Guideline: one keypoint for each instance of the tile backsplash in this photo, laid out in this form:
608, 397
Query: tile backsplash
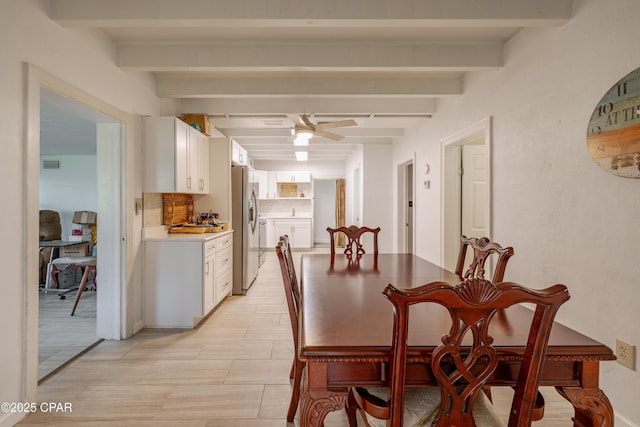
151, 209
276, 207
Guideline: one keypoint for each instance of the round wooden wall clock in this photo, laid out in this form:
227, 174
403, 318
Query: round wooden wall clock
613, 136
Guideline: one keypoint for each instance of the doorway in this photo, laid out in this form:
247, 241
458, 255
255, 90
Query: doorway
466, 192
406, 207
68, 183
324, 209
111, 129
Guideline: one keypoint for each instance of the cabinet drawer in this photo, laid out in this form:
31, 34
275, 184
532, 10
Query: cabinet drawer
223, 285
224, 242
209, 247
223, 260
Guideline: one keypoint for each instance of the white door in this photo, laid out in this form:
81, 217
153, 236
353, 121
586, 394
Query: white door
474, 190
465, 211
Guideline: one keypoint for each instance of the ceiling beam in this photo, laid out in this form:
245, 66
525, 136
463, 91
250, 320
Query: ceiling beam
308, 104
308, 13
355, 132
186, 87
309, 57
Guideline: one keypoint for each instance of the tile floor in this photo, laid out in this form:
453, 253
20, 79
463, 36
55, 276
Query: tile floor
231, 371
61, 336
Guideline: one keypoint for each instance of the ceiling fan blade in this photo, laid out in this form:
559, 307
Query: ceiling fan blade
297, 120
307, 122
329, 135
338, 124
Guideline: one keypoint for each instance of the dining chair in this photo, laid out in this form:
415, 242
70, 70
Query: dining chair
482, 249
463, 361
292, 294
353, 234
289, 258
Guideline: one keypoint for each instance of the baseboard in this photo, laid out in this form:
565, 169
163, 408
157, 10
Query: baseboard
623, 421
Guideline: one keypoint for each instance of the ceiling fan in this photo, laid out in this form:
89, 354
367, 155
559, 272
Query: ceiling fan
305, 128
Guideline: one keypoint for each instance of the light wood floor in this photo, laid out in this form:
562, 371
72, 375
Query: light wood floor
231, 371
61, 336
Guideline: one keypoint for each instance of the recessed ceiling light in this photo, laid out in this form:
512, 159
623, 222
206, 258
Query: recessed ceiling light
301, 156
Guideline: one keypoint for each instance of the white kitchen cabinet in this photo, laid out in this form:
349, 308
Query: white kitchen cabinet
209, 279
176, 157
268, 187
202, 162
238, 154
298, 230
297, 176
271, 234
263, 184
223, 264
185, 278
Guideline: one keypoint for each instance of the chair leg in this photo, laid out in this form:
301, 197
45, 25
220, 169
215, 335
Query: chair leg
295, 396
293, 368
85, 276
352, 408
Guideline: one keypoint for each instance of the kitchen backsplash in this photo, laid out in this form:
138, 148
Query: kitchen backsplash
151, 209
303, 207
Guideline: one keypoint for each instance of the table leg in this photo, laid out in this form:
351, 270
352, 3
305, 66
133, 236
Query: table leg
592, 407
316, 403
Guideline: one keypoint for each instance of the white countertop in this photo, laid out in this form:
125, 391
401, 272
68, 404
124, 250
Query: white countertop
284, 216
161, 233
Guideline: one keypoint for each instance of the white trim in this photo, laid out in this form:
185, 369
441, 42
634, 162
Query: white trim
401, 200
482, 128
35, 80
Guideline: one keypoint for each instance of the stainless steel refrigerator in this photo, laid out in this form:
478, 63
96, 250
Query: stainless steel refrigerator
244, 220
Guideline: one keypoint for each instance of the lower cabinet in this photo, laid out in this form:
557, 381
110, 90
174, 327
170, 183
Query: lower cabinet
298, 230
185, 279
224, 272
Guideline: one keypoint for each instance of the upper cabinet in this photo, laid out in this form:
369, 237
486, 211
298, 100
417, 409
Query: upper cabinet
267, 185
297, 177
176, 157
238, 154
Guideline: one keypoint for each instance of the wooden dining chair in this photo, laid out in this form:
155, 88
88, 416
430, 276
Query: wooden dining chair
482, 249
353, 234
465, 359
292, 293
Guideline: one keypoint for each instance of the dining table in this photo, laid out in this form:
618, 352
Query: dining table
346, 325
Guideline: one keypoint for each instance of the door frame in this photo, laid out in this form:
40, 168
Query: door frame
452, 187
113, 314
402, 208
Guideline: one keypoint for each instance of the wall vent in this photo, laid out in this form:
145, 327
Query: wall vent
51, 164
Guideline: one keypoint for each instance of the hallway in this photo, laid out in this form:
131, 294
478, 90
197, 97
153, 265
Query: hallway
231, 371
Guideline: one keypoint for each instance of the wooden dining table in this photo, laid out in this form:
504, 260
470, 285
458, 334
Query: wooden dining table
346, 325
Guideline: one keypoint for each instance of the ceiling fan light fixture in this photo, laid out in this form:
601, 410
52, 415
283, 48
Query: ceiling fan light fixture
304, 134
301, 156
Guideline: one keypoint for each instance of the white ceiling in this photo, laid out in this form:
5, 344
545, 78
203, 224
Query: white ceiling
251, 63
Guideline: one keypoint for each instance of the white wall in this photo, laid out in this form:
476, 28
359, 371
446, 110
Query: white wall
71, 188
568, 220
377, 193
86, 60
319, 169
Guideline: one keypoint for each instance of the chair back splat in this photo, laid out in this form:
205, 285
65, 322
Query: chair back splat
353, 245
466, 358
482, 249
292, 293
